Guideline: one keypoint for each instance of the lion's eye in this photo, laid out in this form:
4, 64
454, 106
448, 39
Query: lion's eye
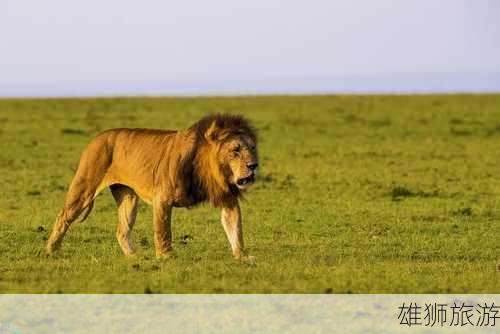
237, 149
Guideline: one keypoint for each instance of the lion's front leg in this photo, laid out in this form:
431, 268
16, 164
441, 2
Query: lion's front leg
162, 212
231, 221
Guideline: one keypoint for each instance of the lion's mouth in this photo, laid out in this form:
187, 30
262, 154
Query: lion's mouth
246, 181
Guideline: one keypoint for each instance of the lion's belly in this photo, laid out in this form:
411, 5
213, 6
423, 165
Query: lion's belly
141, 185
143, 194
185, 202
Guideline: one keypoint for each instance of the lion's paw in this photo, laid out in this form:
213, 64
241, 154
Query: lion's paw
131, 255
166, 255
248, 259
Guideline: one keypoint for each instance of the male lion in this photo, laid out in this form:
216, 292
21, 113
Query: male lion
213, 160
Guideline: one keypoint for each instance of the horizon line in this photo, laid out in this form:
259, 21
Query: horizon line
393, 84
243, 95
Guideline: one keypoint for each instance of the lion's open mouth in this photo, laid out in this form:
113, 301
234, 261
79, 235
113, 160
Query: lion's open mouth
246, 181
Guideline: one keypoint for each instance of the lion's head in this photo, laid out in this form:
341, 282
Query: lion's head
238, 158
228, 159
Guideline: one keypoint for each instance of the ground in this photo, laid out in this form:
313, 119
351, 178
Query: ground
356, 194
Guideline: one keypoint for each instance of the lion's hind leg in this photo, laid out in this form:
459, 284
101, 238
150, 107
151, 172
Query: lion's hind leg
88, 181
127, 201
79, 203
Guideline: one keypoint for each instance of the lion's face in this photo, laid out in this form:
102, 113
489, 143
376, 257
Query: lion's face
239, 155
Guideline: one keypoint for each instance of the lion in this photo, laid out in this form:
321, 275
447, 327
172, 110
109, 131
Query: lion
214, 160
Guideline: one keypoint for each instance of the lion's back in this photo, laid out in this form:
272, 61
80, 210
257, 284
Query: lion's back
124, 146
134, 144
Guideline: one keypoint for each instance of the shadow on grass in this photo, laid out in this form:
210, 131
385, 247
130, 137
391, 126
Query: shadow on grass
398, 193
77, 132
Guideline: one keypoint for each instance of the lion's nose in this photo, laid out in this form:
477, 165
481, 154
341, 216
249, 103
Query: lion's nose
253, 167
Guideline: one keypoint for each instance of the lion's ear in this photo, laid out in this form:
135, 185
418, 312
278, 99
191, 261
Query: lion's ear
211, 133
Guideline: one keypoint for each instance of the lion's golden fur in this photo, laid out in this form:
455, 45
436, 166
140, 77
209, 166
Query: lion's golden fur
167, 168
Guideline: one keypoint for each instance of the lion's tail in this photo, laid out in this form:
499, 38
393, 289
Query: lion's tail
86, 212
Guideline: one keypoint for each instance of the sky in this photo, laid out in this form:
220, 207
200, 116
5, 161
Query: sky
123, 47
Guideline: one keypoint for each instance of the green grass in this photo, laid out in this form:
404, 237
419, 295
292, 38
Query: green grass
357, 194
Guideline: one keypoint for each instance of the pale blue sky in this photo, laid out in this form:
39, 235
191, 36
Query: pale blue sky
119, 47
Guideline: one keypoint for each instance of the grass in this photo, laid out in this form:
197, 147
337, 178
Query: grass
357, 194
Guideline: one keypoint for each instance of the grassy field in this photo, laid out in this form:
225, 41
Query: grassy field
356, 194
